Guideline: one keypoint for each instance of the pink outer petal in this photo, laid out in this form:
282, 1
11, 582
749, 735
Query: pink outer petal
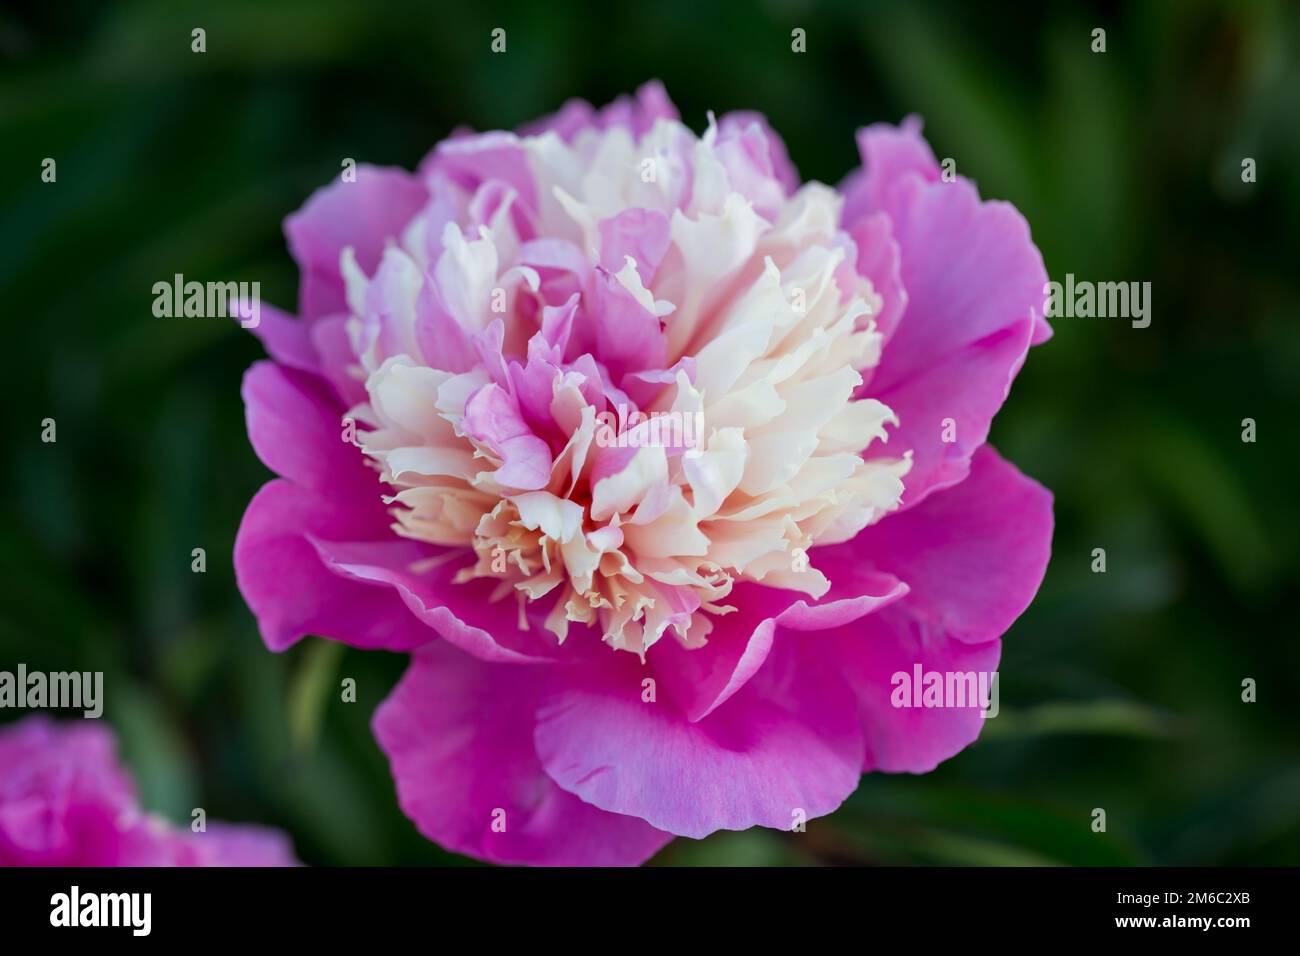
970, 269
296, 428
974, 557
788, 741
421, 576
458, 734
897, 165
907, 739
286, 339
973, 280
329, 493
292, 589
701, 680
362, 214
293, 594
891, 156
967, 387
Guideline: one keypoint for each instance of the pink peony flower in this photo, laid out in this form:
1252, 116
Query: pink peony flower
65, 801
617, 638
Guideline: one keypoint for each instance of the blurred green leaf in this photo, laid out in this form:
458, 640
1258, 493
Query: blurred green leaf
1194, 476
154, 748
311, 689
1107, 717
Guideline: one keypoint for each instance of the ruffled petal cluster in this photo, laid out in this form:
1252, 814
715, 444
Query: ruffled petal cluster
658, 461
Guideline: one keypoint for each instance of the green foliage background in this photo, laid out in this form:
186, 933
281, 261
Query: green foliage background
1119, 690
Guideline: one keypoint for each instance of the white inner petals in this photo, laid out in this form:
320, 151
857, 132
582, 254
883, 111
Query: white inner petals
788, 459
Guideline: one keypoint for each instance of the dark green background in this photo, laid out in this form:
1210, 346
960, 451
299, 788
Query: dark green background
1119, 690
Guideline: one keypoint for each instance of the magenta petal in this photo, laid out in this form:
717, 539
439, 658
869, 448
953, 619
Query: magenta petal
362, 214
973, 555
945, 411
532, 384
286, 339
297, 430
855, 590
974, 286
422, 576
64, 801
907, 739
788, 742
970, 270
458, 735
293, 594
701, 680
891, 156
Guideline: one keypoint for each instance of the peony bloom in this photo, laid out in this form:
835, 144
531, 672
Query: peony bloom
65, 801
618, 637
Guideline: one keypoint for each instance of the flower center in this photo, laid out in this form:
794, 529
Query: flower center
620, 411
